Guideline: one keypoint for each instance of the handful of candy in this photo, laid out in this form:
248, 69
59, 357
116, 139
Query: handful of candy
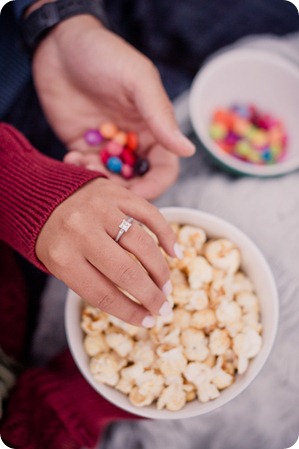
248, 134
118, 150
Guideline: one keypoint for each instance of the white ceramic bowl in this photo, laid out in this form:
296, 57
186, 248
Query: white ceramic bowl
253, 263
247, 76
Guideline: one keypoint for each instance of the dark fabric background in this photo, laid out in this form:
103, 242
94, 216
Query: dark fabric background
179, 35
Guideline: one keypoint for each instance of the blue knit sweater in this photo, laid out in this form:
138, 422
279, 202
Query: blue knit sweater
14, 61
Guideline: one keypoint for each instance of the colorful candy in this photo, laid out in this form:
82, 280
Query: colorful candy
248, 134
93, 137
118, 150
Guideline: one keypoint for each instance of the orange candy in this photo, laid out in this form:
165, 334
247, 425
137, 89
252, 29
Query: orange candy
108, 130
121, 138
224, 117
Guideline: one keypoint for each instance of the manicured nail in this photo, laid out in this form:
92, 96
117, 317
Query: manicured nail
148, 321
167, 288
166, 309
178, 251
185, 142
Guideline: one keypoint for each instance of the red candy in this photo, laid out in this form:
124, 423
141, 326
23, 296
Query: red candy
128, 157
132, 140
104, 155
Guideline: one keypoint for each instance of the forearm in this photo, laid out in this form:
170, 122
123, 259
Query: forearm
32, 186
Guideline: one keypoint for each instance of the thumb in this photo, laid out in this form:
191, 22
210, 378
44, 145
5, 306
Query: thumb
156, 109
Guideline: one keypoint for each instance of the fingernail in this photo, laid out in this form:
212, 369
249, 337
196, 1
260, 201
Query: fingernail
148, 321
178, 251
166, 309
185, 142
167, 288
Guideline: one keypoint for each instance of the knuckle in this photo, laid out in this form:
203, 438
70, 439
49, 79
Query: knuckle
58, 256
127, 275
105, 301
73, 221
144, 241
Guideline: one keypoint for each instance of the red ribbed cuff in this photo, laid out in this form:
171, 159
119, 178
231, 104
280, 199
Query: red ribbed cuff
31, 187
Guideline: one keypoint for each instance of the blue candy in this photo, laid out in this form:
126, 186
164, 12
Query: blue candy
114, 164
242, 110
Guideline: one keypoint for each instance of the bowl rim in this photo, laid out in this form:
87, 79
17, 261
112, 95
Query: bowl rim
233, 164
151, 411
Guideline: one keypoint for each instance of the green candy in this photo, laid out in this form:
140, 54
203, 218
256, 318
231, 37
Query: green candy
275, 151
218, 131
243, 148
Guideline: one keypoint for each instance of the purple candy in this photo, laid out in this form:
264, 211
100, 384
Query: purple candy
232, 138
93, 137
141, 167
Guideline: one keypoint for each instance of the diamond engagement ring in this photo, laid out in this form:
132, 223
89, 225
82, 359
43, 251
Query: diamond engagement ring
124, 227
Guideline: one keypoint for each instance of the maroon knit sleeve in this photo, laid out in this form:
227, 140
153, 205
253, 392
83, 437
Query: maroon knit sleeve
31, 186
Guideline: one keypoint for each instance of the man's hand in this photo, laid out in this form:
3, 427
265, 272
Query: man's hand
86, 75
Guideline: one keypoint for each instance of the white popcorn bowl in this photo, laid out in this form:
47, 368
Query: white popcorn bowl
253, 264
247, 76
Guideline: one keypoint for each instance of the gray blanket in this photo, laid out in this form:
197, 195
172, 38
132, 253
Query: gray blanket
266, 415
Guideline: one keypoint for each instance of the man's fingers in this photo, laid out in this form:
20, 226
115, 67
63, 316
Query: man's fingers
157, 111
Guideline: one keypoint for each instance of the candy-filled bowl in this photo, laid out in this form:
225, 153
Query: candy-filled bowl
242, 351
241, 79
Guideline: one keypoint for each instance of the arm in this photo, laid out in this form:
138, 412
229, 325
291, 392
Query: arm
62, 219
31, 186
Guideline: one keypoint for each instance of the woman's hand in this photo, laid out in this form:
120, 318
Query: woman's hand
86, 75
77, 245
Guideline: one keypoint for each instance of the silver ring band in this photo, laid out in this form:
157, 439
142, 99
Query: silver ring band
124, 227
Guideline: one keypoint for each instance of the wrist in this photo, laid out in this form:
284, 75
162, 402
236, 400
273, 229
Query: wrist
43, 16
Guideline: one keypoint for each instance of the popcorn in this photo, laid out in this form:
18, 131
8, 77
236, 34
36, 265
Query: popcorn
222, 379
241, 283
200, 272
198, 373
142, 353
248, 343
228, 312
122, 344
105, 368
192, 236
150, 383
171, 361
219, 341
223, 254
248, 301
195, 352
220, 290
173, 398
204, 319
94, 344
195, 344
139, 399
207, 391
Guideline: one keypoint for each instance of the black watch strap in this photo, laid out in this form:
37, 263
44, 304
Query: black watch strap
36, 26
